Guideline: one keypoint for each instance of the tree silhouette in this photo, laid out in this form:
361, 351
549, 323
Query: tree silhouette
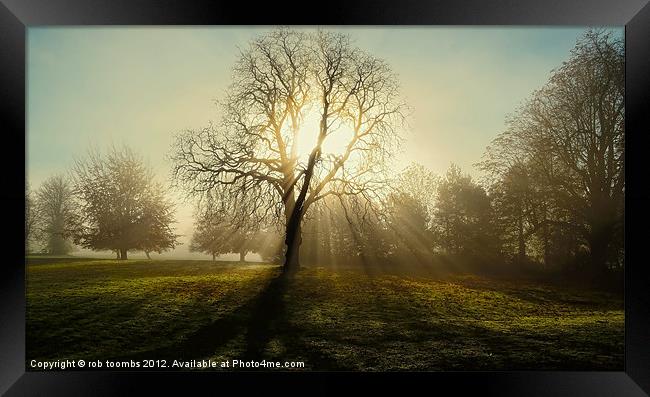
280, 81
462, 218
570, 136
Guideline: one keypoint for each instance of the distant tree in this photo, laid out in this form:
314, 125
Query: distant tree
122, 206
57, 218
409, 213
218, 232
350, 233
207, 236
281, 79
220, 238
408, 229
31, 217
345, 231
570, 137
513, 199
155, 224
269, 244
462, 220
419, 183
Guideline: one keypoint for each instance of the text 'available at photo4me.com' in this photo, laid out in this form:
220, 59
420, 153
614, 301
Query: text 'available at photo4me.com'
62, 365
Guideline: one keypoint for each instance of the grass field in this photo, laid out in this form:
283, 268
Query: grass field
343, 320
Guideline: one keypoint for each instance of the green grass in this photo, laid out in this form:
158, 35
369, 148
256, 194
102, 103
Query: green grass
331, 320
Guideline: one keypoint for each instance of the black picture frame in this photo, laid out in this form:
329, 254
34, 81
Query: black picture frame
18, 15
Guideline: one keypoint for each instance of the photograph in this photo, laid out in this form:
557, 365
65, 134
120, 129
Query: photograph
325, 198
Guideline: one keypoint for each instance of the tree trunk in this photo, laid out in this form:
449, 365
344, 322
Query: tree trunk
123, 254
294, 211
546, 236
214, 257
292, 226
521, 239
547, 253
242, 256
292, 240
117, 254
147, 253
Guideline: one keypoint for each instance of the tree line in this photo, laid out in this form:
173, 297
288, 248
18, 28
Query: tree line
551, 195
552, 192
108, 201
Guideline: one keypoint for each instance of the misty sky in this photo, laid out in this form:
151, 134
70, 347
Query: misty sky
139, 86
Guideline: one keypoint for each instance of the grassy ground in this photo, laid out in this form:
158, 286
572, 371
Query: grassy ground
343, 320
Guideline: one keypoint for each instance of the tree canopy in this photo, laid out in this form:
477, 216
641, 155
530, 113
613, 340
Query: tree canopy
51, 215
218, 231
560, 164
122, 206
307, 116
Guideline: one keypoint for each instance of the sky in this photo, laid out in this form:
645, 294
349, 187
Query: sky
97, 86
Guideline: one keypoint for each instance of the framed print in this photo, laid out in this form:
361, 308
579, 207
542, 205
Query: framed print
447, 193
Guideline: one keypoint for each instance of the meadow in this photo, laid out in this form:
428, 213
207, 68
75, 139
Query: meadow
340, 319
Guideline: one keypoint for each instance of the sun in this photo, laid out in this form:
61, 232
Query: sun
335, 143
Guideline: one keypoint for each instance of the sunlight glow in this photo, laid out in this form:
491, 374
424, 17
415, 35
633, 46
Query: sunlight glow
335, 143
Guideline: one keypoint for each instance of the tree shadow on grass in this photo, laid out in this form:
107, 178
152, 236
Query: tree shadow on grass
267, 317
538, 293
256, 320
472, 344
265, 326
261, 320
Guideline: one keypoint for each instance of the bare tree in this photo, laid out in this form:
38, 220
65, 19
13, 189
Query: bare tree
280, 81
122, 206
57, 215
31, 218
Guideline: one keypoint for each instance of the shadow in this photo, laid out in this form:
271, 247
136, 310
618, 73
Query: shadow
268, 317
260, 320
317, 358
257, 320
545, 293
35, 260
